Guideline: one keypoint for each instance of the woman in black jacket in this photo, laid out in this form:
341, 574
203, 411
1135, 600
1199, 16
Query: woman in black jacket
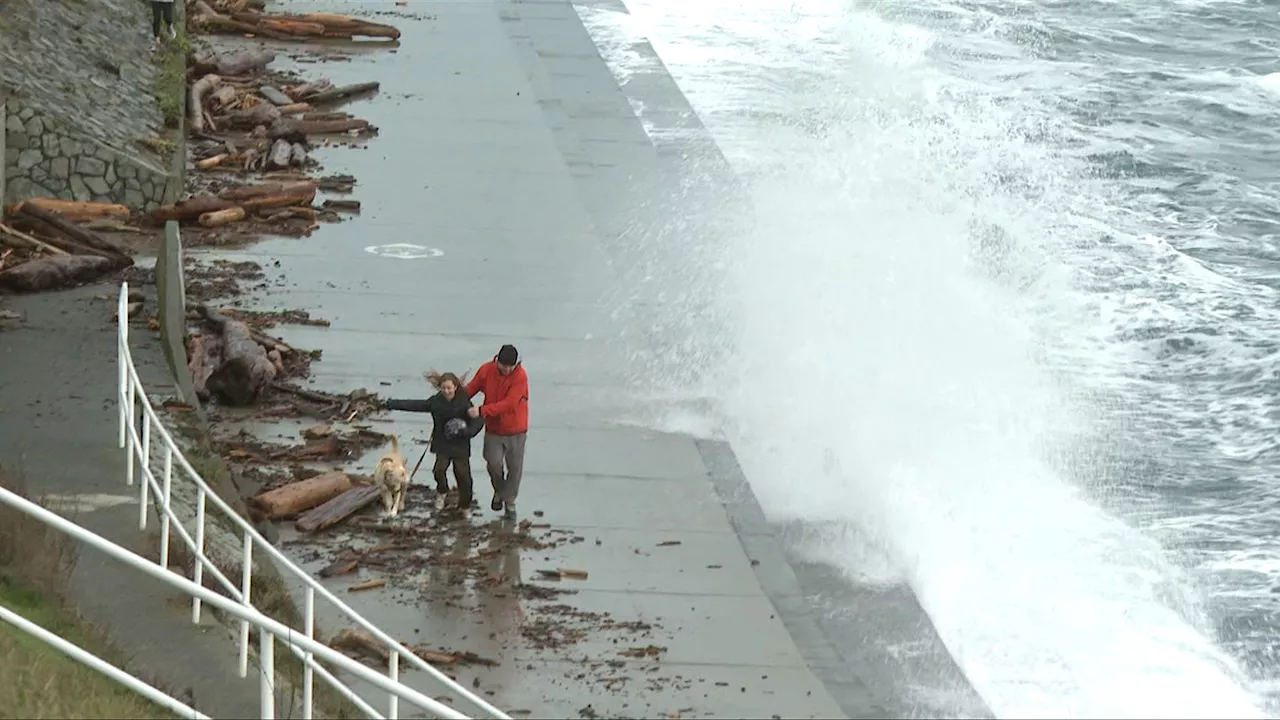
451, 436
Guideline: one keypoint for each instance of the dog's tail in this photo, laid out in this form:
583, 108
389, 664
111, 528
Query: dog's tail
395, 444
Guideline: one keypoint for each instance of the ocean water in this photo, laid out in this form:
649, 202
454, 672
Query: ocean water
1010, 299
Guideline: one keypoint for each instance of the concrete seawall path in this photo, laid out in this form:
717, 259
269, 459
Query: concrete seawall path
506, 164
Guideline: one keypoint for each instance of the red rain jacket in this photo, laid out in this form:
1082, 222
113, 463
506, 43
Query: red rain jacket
506, 398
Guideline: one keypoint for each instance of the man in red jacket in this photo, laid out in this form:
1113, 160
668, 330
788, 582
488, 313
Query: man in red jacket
506, 413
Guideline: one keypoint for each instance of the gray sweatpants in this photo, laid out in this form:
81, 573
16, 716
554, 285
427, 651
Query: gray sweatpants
508, 449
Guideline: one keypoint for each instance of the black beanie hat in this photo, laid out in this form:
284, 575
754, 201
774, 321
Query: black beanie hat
508, 355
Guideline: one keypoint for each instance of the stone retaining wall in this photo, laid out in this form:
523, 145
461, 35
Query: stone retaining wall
43, 158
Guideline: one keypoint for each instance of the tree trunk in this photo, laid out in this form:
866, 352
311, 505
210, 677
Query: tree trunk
192, 208
245, 369
218, 218
338, 509
54, 273
342, 93
199, 89
79, 235
78, 211
289, 500
244, 61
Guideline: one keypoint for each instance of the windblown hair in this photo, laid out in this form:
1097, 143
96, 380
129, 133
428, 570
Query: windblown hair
437, 379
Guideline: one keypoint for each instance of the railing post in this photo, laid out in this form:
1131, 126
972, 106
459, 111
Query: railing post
246, 587
121, 372
198, 573
393, 672
308, 674
267, 682
146, 470
130, 421
164, 507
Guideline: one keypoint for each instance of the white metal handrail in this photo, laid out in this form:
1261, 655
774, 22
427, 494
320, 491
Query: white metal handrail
93, 661
268, 629
132, 394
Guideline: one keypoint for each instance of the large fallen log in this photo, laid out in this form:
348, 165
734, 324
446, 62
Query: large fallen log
315, 127
244, 61
81, 236
337, 509
190, 209
80, 211
349, 27
249, 192
245, 369
195, 104
54, 273
271, 195
315, 25
289, 500
343, 92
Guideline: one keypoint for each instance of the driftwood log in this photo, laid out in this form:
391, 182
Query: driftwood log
79, 211
78, 235
23, 241
199, 89
338, 509
316, 127
190, 209
244, 62
218, 218
54, 273
289, 500
335, 94
299, 92
245, 369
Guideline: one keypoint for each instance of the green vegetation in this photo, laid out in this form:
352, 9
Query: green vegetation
41, 682
171, 77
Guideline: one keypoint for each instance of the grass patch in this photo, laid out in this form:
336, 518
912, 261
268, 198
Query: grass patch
41, 682
171, 77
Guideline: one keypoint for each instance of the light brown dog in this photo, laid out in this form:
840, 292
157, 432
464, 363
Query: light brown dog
391, 477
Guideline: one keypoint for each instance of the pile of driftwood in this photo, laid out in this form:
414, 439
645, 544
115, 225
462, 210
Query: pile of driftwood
269, 201
245, 17
265, 127
231, 361
46, 247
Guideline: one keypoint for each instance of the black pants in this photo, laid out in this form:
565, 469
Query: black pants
461, 473
161, 12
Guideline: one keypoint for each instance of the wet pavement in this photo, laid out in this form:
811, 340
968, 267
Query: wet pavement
689, 607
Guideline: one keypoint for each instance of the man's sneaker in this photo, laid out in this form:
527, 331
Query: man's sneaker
510, 512
173, 33
496, 505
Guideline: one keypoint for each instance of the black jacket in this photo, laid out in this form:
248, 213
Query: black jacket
442, 411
